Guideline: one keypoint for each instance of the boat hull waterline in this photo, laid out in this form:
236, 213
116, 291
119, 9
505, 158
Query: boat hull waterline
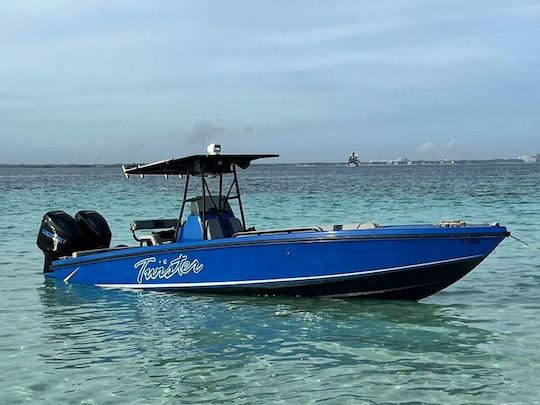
388, 262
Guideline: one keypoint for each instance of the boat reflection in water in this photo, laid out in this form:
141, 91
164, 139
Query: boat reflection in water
151, 326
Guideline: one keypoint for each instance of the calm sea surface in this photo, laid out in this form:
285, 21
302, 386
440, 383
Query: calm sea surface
476, 342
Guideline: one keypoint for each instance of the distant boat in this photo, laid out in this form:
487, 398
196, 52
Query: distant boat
353, 160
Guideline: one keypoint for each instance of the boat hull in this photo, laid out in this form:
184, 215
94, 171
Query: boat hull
410, 283
392, 262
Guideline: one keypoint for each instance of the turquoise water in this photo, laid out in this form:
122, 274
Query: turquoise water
476, 342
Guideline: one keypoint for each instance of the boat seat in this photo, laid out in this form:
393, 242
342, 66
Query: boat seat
219, 228
213, 229
163, 236
156, 239
235, 225
159, 238
210, 208
351, 227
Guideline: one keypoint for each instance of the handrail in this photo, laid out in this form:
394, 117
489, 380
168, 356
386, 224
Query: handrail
154, 224
277, 231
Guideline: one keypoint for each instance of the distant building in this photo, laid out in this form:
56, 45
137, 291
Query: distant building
529, 159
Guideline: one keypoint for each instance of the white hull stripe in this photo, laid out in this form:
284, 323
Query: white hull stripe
278, 280
71, 274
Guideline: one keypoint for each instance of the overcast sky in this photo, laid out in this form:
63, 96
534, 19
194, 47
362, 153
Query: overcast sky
122, 81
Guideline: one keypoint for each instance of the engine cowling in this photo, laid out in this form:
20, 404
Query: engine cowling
59, 235
95, 230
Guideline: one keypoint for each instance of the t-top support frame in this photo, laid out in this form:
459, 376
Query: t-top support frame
221, 202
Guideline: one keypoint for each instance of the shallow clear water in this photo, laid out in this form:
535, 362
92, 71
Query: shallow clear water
476, 342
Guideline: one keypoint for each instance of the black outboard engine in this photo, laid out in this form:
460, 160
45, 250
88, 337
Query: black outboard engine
58, 236
95, 230
61, 234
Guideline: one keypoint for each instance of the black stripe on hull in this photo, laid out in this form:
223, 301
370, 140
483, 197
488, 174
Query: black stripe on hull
407, 284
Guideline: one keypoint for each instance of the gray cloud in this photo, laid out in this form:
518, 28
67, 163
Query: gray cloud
309, 83
215, 131
205, 132
430, 146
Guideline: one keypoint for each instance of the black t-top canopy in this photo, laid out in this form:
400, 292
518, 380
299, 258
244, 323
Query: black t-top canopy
196, 164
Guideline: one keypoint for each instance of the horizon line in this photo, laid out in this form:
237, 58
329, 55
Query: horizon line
374, 162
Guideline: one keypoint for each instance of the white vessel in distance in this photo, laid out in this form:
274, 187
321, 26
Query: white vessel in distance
353, 161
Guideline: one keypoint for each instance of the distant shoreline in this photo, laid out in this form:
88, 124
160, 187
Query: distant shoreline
412, 163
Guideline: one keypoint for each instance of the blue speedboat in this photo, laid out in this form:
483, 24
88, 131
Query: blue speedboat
208, 248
